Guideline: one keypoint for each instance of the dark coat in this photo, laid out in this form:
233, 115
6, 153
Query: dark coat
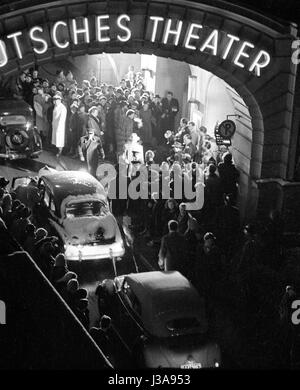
92, 151
213, 190
94, 123
173, 251
169, 110
229, 176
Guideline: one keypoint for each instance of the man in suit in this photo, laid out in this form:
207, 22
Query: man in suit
172, 253
90, 149
170, 108
189, 147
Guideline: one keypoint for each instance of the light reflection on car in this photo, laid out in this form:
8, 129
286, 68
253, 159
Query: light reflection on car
74, 206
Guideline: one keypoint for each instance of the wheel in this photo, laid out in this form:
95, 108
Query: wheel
17, 139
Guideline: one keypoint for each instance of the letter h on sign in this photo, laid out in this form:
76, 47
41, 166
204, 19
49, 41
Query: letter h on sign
2, 313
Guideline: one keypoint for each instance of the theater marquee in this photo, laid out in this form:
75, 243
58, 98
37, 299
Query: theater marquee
97, 30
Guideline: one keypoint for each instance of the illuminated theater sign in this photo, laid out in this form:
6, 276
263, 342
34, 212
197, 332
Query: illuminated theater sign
97, 30
250, 51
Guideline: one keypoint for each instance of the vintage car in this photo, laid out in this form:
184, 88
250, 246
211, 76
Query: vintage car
19, 137
74, 206
161, 319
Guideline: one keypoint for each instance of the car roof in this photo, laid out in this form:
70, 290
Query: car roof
165, 296
65, 183
13, 105
156, 281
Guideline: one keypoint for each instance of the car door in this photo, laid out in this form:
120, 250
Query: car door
129, 321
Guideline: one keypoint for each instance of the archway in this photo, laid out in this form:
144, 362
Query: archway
250, 52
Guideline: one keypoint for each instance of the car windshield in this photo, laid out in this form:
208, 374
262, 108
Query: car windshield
183, 324
85, 209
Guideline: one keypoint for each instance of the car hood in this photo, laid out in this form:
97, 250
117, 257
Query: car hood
205, 355
14, 107
87, 230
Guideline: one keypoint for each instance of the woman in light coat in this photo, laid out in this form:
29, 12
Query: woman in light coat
59, 123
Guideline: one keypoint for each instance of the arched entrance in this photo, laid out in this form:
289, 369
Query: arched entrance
250, 52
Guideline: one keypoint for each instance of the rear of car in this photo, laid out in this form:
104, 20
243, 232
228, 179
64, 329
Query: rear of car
18, 136
174, 317
80, 215
91, 232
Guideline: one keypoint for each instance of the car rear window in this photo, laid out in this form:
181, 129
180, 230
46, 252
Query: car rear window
85, 209
12, 120
183, 324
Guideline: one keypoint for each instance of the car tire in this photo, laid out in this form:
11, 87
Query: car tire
17, 139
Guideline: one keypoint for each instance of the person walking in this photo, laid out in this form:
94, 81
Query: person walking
90, 149
148, 120
172, 250
59, 123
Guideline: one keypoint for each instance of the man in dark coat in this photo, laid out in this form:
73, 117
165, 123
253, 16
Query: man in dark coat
157, 113
90, 149
213, 189
229, 176
170, 108
74, 130
94, 122
172, 250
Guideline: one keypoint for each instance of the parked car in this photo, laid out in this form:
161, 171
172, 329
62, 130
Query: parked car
73, 205
19, 138
161, 319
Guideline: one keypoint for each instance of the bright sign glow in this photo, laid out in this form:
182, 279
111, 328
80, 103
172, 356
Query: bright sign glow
101, 28
38, 39
190, 35
14, 37
54, 36
124, 28
175, 32
241, 53
3, 55
211, 42
85, 30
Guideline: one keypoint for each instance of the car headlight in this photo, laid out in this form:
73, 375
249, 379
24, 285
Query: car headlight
28, 125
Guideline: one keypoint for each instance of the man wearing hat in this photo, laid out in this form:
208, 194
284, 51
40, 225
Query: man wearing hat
74, 129
102, 113
90, 149
119, 94
93, 121
170, 108
157, 113
39, 108
123, 126
59, 123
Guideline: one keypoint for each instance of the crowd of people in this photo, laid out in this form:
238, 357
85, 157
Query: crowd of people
111, 112
94, 120
206, 242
